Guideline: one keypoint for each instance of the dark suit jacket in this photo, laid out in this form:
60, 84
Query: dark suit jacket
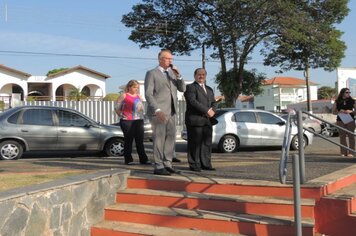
198, 104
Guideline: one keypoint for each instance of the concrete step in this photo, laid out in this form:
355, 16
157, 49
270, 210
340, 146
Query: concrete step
338, 208
216, 202
114, 228
347, 193
223, 222
219, 186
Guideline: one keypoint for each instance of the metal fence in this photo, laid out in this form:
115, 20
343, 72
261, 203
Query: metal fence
102, 111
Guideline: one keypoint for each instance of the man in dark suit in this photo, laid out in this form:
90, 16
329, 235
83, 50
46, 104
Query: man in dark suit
201, 107
161, 85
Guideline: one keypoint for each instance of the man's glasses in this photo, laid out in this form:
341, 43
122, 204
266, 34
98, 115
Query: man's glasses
348, 92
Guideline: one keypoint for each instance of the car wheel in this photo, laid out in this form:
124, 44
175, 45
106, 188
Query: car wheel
228, 144
10, 150
295, 142
114, 147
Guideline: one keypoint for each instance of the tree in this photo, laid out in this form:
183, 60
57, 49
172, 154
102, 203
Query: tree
76, 94
55, 71
230, 28
111, 97
326, 92
308, 38
251, 84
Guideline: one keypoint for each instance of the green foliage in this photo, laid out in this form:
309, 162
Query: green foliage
229, 28
2, 105
308, 38
111, 97
31, 98
76, 94
297, 34
326, 92
251, 85
55, 71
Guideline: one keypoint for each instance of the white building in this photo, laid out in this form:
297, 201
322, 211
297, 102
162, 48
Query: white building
346, 78
54, 87
279, 92
245, 102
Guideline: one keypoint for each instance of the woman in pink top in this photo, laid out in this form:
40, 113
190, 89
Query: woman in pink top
130, 109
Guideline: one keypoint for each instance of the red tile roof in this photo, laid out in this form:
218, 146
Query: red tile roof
286, 81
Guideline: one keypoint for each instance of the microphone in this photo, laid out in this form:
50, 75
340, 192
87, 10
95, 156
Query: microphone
174, 69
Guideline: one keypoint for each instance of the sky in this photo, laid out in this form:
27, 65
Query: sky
35, 34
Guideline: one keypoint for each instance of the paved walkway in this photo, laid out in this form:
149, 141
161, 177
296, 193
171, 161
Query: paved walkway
249, 164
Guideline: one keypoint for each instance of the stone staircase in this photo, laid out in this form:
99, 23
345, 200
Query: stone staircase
197, 205
174, 205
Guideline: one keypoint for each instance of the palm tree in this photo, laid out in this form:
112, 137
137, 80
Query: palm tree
76, 95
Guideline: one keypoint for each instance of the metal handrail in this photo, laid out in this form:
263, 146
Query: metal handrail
285, 151
296, 172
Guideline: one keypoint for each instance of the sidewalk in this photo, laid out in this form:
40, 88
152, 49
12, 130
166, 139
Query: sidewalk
252, 165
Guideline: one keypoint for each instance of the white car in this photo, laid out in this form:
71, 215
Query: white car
247, 128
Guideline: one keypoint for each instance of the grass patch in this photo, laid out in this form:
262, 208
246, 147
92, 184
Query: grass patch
15, 180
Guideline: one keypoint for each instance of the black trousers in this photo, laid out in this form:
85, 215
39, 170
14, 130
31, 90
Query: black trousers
199, 146
133, 129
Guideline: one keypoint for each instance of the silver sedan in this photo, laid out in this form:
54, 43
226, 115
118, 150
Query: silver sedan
248, 128
32, 128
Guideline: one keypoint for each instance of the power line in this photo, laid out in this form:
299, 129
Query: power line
88, 56
29, 53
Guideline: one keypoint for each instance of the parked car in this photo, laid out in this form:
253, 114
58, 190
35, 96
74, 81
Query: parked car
31, 128
147, 127
247, 128
313, 124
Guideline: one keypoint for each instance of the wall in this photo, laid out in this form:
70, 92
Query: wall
265, 99
64, 207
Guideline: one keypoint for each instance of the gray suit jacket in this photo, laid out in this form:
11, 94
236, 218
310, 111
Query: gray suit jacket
159, 91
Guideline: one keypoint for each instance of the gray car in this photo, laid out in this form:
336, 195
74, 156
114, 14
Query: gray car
312, 124
33, 128
248, 128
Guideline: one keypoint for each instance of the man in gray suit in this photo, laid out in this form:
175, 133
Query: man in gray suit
161, 85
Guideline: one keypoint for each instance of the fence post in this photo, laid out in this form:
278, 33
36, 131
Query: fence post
296, 193
301, 146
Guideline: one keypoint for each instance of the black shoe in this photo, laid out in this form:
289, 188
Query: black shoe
208, 168
195, 169
176, 160
161, 171
172, 171
146, 163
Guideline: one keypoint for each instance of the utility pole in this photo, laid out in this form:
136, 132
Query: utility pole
5, 12
203, 56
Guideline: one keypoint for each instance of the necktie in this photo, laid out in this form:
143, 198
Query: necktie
203, 86
173, 110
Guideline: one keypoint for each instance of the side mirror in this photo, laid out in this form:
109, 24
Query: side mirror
88, 125
280, 123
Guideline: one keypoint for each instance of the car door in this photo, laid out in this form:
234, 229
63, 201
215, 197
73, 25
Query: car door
36, 127
272, 128
247, 128
76, 132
